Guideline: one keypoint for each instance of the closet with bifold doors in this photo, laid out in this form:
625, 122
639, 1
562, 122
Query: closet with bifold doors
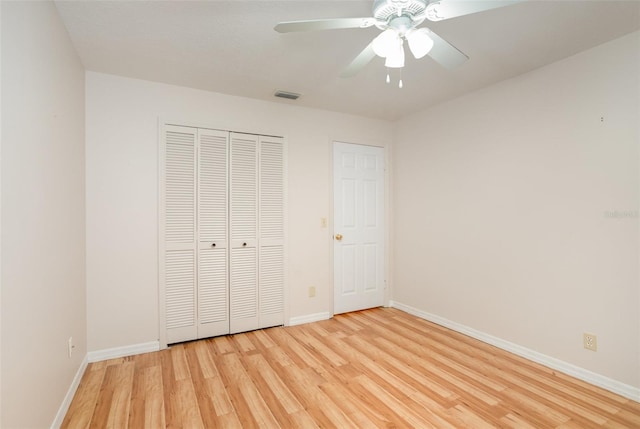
222, 232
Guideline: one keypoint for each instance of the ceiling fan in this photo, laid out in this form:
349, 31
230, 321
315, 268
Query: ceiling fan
398, 20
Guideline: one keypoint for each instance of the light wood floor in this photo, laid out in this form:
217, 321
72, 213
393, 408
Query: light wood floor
370, 369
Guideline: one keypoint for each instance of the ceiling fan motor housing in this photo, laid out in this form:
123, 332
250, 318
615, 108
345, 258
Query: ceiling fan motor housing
388, 14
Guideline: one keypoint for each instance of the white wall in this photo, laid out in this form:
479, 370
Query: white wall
122, 194
516, 210
43, 241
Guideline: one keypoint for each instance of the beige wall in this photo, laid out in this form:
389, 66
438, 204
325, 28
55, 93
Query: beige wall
43, 276
516, 210
0, 214
122, 194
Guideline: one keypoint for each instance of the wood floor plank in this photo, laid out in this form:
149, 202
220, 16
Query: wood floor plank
187, 404
374, 407
264, 339
171, 405
379, 368
348, 322
154, 415
303, 420
138, 395
223, 345
277, 397
256, 405
306, 385
399, 407
221, 402
101, 411
516, 422
263, 370
204, 397
322, 350
82, 410
118, 416
353, 407
243, 342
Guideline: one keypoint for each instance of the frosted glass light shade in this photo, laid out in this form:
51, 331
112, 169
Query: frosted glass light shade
395, 57
419, 42
385, 42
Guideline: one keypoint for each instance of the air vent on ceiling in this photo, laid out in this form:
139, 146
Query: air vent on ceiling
287, 95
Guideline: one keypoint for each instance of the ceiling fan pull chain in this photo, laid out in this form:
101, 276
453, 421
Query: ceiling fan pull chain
388, 77
400, 81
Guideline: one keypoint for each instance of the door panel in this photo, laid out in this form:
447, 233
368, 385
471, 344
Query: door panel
243, 290
213, 297
244, 185
212, 187
180, 267
178, 243
213, 211
359, 220
243, 285
179, 185
271, 253
271, 299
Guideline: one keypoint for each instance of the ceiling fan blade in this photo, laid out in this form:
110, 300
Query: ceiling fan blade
359, 62
444, 53
445, 9
324, 24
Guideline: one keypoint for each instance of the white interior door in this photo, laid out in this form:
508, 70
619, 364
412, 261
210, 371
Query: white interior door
243, 285
213, 296
178, 239
358, 227
271, 226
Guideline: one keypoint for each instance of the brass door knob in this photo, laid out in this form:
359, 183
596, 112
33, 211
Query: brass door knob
339, 237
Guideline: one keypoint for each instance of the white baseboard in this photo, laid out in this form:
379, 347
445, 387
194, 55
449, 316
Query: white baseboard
308, 318
64, 407
116, 352
607, 383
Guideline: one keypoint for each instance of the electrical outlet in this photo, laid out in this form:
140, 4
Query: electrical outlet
70, 346
312, 291
590, 341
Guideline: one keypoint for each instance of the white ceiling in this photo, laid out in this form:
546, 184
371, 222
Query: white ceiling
230, 47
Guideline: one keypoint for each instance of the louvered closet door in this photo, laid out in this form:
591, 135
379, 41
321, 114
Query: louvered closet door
271, 228
178, 240
222, 227
212, 295
243, 282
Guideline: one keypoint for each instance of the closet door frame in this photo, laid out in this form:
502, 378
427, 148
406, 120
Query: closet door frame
163, 124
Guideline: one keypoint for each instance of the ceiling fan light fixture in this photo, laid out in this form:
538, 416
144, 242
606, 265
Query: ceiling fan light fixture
395, 57
419, 42
385, 42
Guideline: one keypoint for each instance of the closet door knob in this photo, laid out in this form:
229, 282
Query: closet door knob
339, 237
244, 244
213, 245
